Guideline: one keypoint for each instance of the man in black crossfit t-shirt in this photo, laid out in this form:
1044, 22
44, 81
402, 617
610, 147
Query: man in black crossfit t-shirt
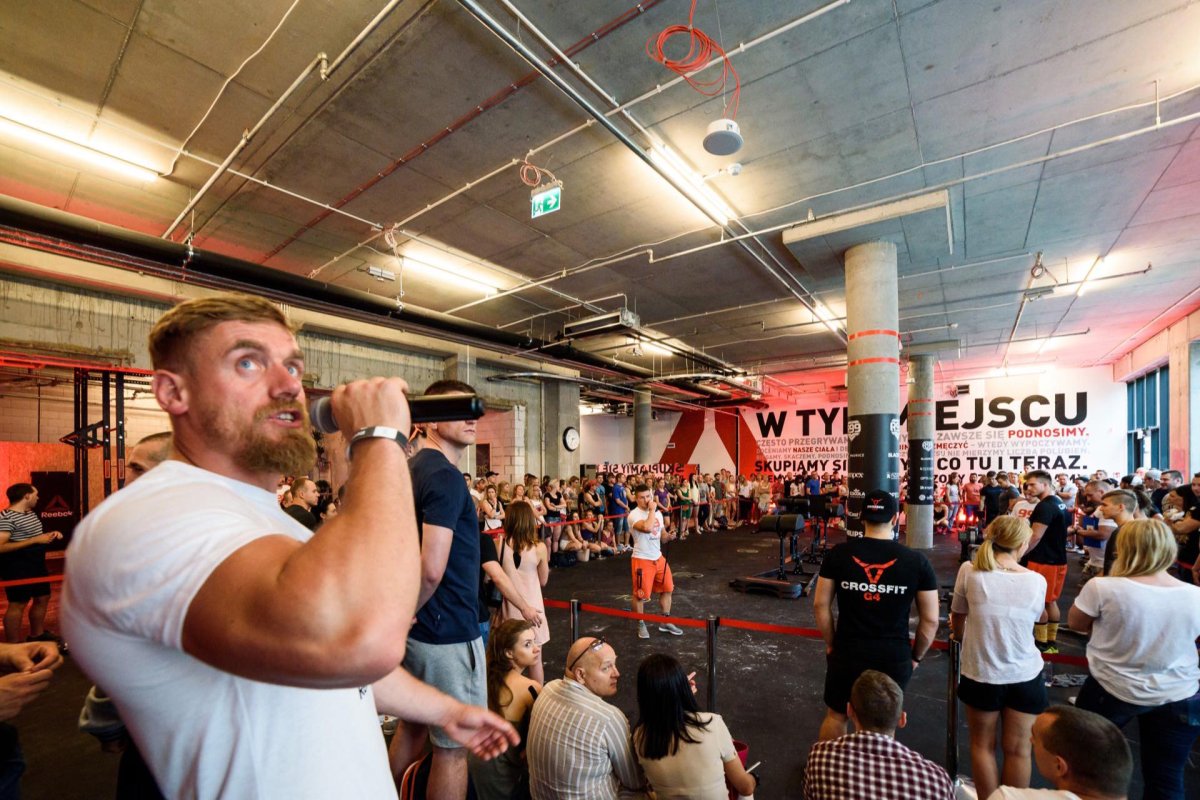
1047, 553
875, 581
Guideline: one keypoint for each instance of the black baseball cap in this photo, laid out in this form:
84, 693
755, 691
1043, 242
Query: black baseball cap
879, 506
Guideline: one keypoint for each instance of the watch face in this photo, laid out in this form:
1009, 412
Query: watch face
571, 439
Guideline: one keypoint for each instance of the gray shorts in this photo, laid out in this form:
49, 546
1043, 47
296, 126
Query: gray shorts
456, 669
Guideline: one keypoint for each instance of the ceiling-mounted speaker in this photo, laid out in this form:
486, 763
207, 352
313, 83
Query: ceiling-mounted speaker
724, 137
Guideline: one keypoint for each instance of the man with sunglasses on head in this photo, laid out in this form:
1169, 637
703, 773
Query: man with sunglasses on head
578, 744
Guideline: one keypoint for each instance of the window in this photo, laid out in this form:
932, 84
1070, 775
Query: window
1148, 415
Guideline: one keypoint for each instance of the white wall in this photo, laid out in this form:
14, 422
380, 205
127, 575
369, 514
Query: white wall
605, 437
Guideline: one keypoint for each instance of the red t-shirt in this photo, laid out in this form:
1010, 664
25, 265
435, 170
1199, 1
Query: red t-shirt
971, 493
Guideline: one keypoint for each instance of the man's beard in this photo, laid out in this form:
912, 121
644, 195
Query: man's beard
253, 450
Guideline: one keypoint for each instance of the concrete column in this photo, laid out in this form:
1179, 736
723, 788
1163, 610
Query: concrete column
642, 416
872, 374
921, 450
560, 410
461, 368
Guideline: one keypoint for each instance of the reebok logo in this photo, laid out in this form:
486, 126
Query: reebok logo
57, 508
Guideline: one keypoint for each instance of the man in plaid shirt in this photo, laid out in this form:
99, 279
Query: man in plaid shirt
870, 762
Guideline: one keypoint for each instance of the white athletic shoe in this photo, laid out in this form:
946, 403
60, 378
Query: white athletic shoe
671, 628
642, 632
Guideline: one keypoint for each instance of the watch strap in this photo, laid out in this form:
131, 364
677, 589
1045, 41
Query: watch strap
377, 432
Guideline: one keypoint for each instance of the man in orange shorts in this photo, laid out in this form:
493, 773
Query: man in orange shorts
1047, 552
649, 565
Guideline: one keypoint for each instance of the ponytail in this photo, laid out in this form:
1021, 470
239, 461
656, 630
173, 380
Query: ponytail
1006, 534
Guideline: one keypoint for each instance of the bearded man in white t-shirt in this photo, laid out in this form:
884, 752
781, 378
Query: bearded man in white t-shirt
248, 657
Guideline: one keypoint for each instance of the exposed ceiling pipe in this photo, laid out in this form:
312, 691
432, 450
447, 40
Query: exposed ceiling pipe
448, 130
319, 61
186, 263
785, 279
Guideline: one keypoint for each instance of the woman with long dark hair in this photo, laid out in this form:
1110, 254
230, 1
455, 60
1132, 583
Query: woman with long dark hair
524, 559
685, 753
511, 650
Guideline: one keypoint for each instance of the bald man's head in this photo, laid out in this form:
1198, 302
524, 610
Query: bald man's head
592, 662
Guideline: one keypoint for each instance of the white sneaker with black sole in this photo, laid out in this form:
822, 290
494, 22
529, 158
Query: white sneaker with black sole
671, 628
643, 633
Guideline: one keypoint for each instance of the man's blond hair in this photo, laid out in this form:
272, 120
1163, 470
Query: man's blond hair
173, 334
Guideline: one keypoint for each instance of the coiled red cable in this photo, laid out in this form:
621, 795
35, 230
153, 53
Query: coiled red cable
701, 50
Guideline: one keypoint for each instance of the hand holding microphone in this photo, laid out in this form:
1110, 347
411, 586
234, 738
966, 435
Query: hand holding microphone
326, 412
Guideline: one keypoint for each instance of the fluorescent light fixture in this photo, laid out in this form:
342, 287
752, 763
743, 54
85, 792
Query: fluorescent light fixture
848, 220
75, 150
449, 275
690, 183
1083, 284
826, 316
380, 274
657, 349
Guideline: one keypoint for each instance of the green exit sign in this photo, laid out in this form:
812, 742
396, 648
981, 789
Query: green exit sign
546, 201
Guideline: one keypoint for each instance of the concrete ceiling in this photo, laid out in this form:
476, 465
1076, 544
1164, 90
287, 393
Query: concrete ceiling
1037, 118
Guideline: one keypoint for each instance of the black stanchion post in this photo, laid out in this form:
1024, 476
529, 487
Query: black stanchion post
954, 653
711, 628
574, 619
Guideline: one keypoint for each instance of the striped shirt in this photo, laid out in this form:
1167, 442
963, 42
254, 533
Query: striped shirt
874, 765
20, 525
579, 747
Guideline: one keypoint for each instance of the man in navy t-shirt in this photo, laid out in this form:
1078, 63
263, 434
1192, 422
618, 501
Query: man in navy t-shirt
445, 648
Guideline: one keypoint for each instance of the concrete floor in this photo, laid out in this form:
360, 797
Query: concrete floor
769, 685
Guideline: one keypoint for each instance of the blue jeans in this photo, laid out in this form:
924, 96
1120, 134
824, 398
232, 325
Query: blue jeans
485, 630
1167, 733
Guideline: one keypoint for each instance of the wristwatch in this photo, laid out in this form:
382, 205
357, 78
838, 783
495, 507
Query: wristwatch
377, 432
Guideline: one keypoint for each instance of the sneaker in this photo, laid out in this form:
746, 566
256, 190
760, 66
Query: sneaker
1050, 649
642, 632
671, 628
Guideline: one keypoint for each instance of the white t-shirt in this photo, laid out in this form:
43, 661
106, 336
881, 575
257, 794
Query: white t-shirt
1143, 645
1070, 490
646, 545
1011, 793
1023, 509
1001, 609
134, 565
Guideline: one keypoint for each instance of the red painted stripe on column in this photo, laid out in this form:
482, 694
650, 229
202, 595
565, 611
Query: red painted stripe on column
859, 361
880, 332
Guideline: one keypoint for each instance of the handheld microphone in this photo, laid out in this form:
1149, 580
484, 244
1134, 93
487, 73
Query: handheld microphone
428, 408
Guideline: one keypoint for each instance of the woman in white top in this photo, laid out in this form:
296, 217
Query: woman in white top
1142, 652
996, 603
491, 512
684, 752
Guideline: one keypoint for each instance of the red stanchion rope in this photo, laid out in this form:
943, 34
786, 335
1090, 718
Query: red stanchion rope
762, 627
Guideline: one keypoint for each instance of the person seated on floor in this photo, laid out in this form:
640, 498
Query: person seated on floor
870, 763
512, 649
1084, 755
578, 746
941, 516
685, 753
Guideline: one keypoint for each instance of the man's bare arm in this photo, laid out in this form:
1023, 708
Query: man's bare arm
308, 614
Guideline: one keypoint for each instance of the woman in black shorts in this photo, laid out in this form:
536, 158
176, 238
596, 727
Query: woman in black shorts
996, 602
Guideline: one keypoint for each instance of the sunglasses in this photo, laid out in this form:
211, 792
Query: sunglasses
591, 648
